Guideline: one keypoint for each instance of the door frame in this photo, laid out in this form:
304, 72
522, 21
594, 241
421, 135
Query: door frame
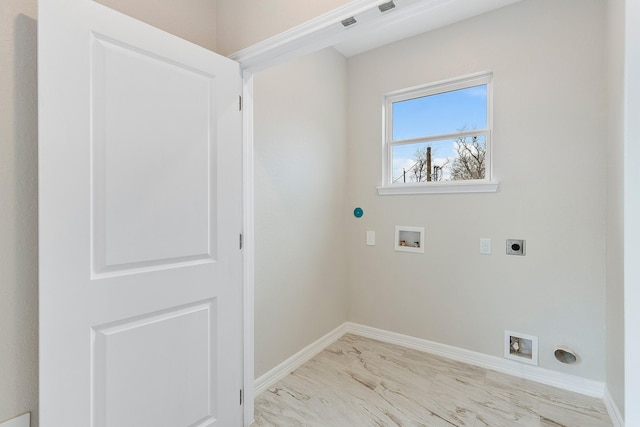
631, 212
319, 33
248, 265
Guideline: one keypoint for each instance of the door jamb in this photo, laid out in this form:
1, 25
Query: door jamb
248, 246
312, 36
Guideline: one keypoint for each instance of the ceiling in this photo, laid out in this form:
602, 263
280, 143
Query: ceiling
410, 18
372, 28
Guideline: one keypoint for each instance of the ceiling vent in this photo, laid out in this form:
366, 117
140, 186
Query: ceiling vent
386, 6
349, 21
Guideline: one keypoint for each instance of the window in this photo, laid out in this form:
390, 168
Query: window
438, 138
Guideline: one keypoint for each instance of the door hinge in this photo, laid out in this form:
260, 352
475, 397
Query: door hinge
240, 397
240, 102
240, 241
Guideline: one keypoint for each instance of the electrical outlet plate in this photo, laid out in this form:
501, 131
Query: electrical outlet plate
371, 238
516, 247
21, 421
485, 246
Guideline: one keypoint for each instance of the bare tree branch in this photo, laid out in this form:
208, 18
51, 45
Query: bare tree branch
470, 160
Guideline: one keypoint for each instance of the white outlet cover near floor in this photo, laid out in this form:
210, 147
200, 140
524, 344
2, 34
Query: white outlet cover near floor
21, 421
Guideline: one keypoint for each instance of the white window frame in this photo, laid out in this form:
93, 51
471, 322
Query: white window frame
485, 185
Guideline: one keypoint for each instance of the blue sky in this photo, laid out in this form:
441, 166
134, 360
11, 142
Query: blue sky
435, 115
442, 113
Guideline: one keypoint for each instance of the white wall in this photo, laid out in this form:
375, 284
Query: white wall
615, 204
193, 20
300, 174
18, 215
242, 23
550, 158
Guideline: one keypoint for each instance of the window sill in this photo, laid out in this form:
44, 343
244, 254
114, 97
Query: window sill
439, 188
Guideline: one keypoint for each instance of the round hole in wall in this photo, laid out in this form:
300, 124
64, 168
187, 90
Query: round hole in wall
565, 355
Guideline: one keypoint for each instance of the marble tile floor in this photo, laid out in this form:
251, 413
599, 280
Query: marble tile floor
362, 382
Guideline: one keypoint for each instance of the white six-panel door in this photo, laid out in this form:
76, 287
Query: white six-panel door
140, 214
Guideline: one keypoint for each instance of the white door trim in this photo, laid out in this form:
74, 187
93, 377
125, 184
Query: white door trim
248, 243
631, 210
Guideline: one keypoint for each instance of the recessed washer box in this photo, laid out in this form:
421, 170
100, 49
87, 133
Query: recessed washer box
409, 239
521, 347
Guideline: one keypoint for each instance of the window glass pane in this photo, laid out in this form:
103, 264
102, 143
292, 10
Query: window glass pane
448, 112
445, 160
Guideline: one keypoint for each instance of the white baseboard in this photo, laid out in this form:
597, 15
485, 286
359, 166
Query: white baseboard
294, 362
23, 420
614, 412
533, 373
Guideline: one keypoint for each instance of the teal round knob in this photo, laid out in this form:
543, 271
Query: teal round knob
358, 212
